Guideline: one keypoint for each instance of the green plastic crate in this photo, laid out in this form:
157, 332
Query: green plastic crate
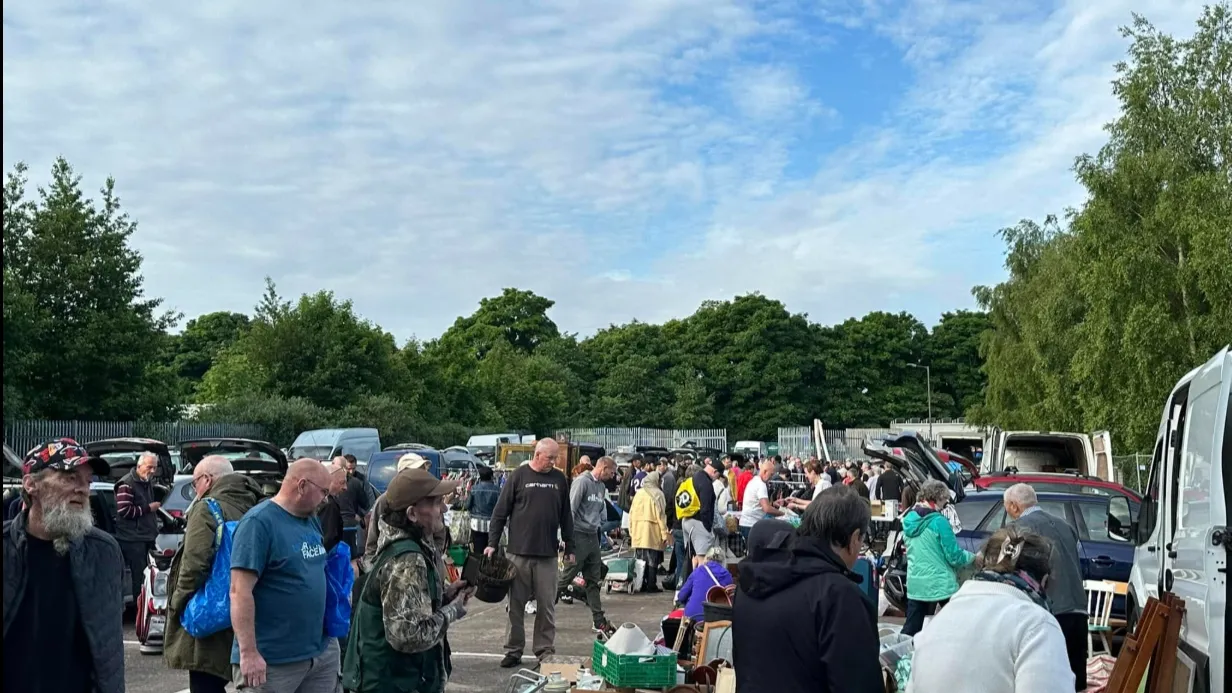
634, 671
458, 554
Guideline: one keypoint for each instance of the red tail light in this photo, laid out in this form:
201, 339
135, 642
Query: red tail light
176, 513
168, 552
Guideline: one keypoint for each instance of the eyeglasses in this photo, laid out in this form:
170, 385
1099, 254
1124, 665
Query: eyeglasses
320, 488
199, 477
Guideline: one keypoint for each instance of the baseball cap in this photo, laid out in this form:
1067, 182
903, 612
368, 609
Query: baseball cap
412, 460
62, 454
410, 486
716, 465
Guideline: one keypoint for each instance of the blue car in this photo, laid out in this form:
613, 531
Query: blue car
383, 465
1102, 523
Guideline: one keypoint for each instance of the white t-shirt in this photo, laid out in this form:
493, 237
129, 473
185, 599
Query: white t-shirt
751, 511
822, 484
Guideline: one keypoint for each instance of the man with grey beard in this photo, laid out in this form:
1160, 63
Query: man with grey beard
62, 591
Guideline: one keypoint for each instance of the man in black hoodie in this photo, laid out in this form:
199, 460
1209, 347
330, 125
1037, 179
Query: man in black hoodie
810, 599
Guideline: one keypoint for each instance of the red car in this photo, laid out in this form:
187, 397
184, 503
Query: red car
1044, 482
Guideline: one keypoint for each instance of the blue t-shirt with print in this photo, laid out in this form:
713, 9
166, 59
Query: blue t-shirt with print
288, 556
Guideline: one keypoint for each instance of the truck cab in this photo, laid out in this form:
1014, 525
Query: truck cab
1182, 533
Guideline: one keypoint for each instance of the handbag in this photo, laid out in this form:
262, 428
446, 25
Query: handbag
209, 609
339, 581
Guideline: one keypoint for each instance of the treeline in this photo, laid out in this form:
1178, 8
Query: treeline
1106, 307
1102, 311
81, 341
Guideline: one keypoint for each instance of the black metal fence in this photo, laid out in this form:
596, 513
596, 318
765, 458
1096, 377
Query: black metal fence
24, 435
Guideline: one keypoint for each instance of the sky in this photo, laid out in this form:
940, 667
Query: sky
628, 159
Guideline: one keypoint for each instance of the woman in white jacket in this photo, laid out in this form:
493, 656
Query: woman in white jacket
996, 635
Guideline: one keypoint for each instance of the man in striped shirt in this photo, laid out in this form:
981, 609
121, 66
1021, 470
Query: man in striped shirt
136, 521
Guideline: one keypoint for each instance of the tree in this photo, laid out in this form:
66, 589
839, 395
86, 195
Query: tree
953, 352
203, 339
89, 343
321, 351
867, 380
1098, 319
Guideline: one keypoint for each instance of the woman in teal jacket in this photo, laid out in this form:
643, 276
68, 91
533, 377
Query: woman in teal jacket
933, 556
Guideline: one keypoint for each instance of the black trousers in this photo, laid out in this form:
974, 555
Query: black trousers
1074, 627
136, 556
479, 542
201, 682
916, 611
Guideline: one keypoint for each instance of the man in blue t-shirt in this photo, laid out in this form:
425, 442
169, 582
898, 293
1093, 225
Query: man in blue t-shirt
278, 590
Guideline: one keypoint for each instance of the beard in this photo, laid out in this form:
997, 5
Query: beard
66, 524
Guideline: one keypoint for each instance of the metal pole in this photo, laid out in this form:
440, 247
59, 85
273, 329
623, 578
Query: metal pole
928, 377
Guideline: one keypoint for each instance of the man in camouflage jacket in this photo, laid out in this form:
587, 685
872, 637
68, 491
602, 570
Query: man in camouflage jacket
398, 638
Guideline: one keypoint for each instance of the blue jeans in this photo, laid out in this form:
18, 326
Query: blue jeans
683, 565
605, 543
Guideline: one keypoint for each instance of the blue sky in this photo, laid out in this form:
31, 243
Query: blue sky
626, 159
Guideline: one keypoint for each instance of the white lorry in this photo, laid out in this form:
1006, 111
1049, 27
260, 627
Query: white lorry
1182, 528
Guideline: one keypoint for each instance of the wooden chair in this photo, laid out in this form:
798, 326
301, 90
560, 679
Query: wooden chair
1100, 594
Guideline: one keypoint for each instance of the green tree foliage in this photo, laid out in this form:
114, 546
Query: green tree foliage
953, 351
868, 381
84, 341
318, 349
204, 338
1101, 315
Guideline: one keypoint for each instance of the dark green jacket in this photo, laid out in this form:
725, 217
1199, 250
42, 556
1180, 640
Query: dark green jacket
190, 569
371, 664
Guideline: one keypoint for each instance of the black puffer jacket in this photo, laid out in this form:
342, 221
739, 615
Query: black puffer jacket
97, 573
801, 625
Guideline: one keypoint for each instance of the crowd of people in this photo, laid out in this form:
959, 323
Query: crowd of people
801, 621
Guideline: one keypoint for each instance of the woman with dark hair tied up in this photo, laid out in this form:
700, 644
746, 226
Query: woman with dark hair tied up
800, 623
996, 635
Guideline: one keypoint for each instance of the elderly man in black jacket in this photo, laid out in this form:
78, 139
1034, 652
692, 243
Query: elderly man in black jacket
63, 601
803, 592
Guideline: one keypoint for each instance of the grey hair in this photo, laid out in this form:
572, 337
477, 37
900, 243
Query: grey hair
717, 553
935, 491
1022, 494
215, 466
148, 456
834, 515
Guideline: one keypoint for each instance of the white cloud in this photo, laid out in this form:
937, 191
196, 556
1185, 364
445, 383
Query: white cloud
416, 157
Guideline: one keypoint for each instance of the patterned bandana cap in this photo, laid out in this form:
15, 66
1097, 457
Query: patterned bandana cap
65, 455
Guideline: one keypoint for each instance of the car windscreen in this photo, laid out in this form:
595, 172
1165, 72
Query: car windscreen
316, 452
384, 465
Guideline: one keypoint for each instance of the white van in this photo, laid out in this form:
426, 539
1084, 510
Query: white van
1033, 452
1182, 528
750, 448
327, 443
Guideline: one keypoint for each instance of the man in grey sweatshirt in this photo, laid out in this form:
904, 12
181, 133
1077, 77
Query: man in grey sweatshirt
588, 499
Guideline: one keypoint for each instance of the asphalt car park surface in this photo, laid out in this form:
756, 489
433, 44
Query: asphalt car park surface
476, 642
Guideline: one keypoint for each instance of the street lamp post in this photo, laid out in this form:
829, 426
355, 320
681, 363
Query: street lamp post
928, 378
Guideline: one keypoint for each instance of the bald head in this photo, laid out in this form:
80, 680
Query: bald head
546, 452
765, 469
208, 471
304, 487
337, 475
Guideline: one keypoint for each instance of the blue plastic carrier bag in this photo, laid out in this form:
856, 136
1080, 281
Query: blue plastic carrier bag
209, 609
339, 580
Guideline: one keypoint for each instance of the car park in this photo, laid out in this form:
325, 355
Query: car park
384, 465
